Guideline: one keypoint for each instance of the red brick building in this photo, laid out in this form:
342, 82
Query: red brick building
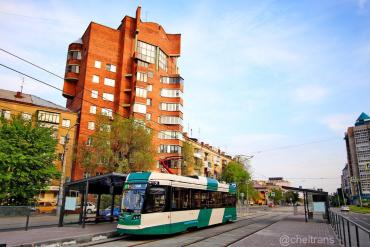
131, 71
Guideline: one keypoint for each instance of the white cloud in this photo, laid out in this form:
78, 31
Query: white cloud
310, 94
339, 122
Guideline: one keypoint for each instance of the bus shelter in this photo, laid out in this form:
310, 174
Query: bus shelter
314, 201
107, 184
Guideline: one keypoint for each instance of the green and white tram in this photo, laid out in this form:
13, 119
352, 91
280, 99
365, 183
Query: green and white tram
159, 203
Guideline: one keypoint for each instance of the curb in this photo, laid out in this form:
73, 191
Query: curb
72, 241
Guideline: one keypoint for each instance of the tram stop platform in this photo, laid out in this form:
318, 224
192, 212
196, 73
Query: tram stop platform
59, 236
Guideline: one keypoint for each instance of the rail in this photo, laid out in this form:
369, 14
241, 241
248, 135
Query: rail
349, 232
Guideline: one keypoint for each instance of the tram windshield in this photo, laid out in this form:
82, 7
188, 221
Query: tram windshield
133, 197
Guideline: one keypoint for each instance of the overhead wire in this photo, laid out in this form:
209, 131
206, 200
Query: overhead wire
83, 88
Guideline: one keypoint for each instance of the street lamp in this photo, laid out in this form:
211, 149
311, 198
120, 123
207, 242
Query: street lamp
62, 178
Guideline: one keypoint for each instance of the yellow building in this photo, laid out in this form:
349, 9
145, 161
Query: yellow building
35, 109
212, 159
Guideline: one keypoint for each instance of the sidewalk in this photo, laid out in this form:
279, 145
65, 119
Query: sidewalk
292, 231
70, 234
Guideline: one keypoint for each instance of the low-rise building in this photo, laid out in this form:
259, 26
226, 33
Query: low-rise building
48, 114
212, 161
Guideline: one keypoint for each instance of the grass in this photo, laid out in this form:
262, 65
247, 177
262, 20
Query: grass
361, 210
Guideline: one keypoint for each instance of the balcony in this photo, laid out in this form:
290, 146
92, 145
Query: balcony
198, 155
172, 80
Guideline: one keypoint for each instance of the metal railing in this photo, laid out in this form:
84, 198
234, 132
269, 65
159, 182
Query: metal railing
349, 232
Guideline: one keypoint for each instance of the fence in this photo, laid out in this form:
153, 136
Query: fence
349, 232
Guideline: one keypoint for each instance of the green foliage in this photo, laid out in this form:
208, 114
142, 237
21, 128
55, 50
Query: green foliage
27, 154
119, 145
236, 173
278, 195
291, 194
188, 159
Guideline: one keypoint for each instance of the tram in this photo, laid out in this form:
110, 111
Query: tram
159, 203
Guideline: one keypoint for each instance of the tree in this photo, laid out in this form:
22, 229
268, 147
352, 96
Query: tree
278, 195
236, 173
188, 159
27, 153
291, 195
119, 145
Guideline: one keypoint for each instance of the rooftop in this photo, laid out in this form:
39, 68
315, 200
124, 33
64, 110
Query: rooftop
29, 99
362, 119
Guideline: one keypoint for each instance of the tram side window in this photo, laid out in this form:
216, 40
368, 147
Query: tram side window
180, 199
156, 200
215, 199
204, 199
229, 200
195, 199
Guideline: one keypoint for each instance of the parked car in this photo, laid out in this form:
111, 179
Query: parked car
46, 207
106, 212
91, 208
344, 209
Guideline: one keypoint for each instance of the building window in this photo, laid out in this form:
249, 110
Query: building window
141, 92
73, 68
150, 88
74, 55
66, 123
62, 140
142, 64
91, 125
105, 127
97, 64
170, 135
171, 80
5, 114
170, 107
89, 141
150, 74
86, 175
95, 79
141, 76
171, 93
26, 116
170, 120
93, 109
110, 67
148, 116
94, 94
49, 117
109, 82
146, 52
107, 112
148, 101
162, 60
108, 97
140, 108
169, 149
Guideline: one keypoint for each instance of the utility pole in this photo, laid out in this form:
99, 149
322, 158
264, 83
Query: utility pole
62, 178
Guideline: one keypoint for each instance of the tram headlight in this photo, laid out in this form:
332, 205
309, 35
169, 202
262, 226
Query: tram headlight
136, 217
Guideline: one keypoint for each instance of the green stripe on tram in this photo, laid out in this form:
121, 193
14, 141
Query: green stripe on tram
204, 217
229, 215
138, 177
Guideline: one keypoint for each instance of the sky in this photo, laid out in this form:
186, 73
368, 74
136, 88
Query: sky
279, 80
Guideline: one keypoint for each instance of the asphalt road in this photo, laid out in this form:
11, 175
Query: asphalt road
361, 219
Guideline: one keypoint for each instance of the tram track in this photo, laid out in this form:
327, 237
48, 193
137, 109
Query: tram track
252, 220
199, 236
